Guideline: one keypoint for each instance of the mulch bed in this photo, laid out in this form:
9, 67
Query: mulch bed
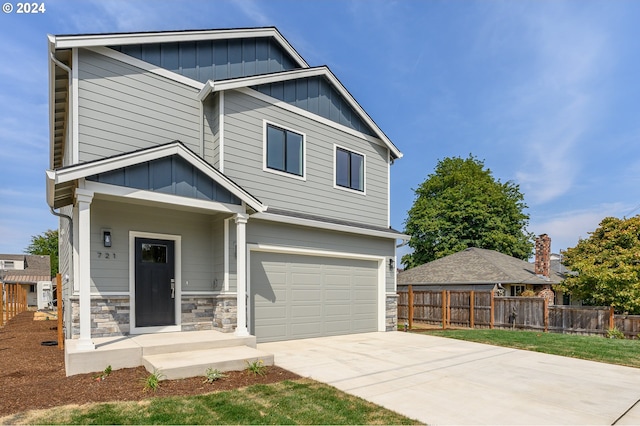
32, 375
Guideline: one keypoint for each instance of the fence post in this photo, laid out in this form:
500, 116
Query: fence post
612, 323
444, 309
448, 308
1, 304
10, 302
410, 308
546, 315
491, 311
472, 312
59, 306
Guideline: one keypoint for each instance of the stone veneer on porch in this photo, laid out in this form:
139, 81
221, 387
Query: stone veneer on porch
110, 315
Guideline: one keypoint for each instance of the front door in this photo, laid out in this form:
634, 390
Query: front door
155, 282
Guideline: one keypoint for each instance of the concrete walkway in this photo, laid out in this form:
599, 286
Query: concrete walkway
445, 381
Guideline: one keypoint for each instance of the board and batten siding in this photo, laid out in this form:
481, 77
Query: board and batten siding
243, 162
201, 238
123, 108
278, 234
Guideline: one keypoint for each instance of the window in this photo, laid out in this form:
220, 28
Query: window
7, 264
349, 169
284, 150
516, 290
32, 288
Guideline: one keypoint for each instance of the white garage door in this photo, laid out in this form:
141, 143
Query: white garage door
296, 297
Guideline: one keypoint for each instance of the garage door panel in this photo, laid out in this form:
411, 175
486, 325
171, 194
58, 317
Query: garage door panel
312, 296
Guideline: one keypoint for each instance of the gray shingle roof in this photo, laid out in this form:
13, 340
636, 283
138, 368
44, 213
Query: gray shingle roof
36, 268
475, 266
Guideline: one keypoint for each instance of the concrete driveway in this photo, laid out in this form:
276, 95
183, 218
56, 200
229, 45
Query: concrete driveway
446, 381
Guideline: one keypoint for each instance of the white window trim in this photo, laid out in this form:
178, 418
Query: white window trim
265, 123
335, 170
177, 239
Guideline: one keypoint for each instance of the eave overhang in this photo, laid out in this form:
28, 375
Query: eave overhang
245, 82
61, 183
120, 39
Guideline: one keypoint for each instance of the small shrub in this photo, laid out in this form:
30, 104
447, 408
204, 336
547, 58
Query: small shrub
152, 382
528, 293
257, 368
105, 373
615, 333
212, 375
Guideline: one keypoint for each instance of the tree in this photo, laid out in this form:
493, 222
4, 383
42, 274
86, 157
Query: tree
606, 266
46, 244
461, 205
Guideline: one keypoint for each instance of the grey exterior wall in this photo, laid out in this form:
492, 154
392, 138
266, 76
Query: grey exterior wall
243, 162
271, 233
198, 236
123, 108
212, 130
215, 60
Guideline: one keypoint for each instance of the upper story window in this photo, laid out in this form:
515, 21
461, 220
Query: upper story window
7, 264
284, 151
349, 169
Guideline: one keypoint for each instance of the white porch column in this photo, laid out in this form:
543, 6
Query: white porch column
241, 274
83, 200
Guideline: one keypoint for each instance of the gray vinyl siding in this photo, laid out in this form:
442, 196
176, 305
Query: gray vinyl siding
199, 240
123, 108
65, 244
271, 233
243, 162
212, 130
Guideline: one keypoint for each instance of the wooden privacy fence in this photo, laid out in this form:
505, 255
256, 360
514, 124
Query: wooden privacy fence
13, 300
482, 309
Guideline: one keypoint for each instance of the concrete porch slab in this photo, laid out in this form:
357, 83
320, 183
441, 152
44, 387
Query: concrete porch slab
128, 351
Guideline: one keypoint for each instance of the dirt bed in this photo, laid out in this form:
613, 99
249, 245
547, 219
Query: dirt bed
32, 375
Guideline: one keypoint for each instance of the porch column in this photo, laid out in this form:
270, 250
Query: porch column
241, 274
83, 200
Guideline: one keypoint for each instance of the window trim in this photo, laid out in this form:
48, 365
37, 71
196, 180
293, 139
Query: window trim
335, 170
265, 127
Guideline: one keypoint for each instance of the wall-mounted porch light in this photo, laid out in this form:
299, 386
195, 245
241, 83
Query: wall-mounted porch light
106, 237
392, 263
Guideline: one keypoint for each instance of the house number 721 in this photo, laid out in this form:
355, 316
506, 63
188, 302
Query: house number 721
106, 255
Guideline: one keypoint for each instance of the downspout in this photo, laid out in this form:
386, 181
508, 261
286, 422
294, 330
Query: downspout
70, 219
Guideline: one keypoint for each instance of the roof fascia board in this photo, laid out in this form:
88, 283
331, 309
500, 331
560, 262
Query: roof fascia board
118, 56
310, 72
95, 40
329, 226
108, 164
158, 197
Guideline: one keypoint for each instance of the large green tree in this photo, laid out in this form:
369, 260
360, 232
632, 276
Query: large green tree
606, 266
46, 244
462, 205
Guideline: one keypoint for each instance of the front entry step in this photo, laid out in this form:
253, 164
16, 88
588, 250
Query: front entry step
180, 365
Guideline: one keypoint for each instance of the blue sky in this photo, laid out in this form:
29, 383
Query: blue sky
546, 93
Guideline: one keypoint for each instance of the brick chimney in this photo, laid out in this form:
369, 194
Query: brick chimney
543, 255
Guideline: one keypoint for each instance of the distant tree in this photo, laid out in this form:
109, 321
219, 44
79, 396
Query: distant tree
606, 266
461, 205
46, 244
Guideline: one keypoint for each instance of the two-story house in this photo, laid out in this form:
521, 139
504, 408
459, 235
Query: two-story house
214, 180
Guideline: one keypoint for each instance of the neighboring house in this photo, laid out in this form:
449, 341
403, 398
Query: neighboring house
214, 180
32, 272
486, 270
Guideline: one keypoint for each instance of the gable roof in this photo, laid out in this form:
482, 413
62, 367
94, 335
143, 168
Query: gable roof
36, 268
476, 266
323, 71
61, 182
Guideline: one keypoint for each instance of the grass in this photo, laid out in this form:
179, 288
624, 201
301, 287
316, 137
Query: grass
301, 401
594, 348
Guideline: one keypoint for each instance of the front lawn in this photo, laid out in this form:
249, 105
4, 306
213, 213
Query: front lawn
594, 348
301, 401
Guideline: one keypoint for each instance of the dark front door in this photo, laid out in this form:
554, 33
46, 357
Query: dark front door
155, 284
